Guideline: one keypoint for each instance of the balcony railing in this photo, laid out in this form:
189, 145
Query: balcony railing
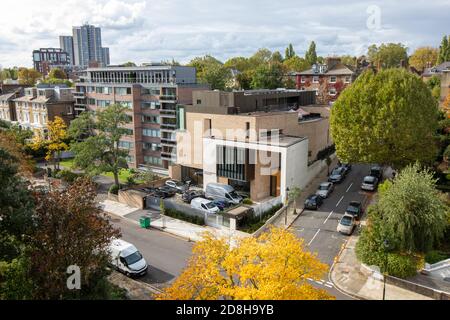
168, 97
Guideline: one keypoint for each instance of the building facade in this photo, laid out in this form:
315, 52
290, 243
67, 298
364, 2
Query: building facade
66, 44
327, 80
41, 104
7, 105
151, 93
87, 44
257, 141
46, 59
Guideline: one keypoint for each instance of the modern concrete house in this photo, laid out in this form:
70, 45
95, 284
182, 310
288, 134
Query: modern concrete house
261, 142
328, 80
41, 104
151, 93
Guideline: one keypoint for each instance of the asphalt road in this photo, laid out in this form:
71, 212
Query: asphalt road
318, 228
165, 254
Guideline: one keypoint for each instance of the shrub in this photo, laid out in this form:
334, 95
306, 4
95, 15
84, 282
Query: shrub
402, 266
67, 175
434, 256
247, 201
131, 181
114, 189
185, 217
253, 223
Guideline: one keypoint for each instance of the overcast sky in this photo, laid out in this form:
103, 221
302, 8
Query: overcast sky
155, 30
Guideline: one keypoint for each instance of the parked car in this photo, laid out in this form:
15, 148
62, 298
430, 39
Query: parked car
355, 209
370, 183
168, 191
178, 186
337, 175
126, 258
377, 172
347, 167
204, 205
223, 192
221, 204
313, 202
188, 195
347, 224
325, 189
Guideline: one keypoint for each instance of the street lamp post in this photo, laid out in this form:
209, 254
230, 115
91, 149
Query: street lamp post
386, 246
287, 203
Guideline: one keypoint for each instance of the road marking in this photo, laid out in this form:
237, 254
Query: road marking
327, 285
328, 217
339, 201
319, 282
349, 187
314, 237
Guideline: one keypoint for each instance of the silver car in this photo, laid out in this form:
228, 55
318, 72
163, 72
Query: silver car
347, 224
370, 183
325, 188
178, 186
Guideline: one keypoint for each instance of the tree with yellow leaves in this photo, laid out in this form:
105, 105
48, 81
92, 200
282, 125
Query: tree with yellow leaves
274, 266
54, 141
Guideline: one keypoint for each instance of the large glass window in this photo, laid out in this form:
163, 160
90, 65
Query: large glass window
152, 146
150, 119
123, 91
151, 133
153, 105
152, 160
103, 103
126, 144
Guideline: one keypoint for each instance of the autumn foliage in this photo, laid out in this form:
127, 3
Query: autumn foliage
274, 266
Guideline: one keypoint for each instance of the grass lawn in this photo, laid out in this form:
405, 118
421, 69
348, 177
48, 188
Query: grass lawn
123, 175
67, 163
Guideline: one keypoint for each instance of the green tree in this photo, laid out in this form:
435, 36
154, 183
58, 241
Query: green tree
276, 57
268, 76
389, 117
410, 217
349, 60
239, 63
444, 50
296, 64
311, 54
57, 73
389, 55
289, 52
128, 64
101, 152
28, 77
423, 57
262, 56
211, 71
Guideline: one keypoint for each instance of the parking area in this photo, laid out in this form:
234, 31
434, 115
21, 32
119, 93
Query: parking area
318, 228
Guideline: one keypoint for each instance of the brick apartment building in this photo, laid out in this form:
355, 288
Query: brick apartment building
207, 151
46, 59
151, 93
328, 80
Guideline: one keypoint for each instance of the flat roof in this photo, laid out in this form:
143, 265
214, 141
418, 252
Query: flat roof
282, 141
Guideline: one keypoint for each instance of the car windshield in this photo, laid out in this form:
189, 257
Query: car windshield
352, 209
346, 221
133, 258
336, 172
210, 205
234, 195
369, 180
323, 187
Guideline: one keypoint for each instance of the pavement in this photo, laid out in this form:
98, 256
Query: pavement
361, 282
186, 230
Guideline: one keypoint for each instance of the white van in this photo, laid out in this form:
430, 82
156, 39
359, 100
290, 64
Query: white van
222, 192
204, 205
127, 259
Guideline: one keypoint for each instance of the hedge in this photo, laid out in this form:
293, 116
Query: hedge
185, 217
253, 223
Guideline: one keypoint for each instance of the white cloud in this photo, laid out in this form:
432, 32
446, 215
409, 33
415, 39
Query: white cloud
152, 30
